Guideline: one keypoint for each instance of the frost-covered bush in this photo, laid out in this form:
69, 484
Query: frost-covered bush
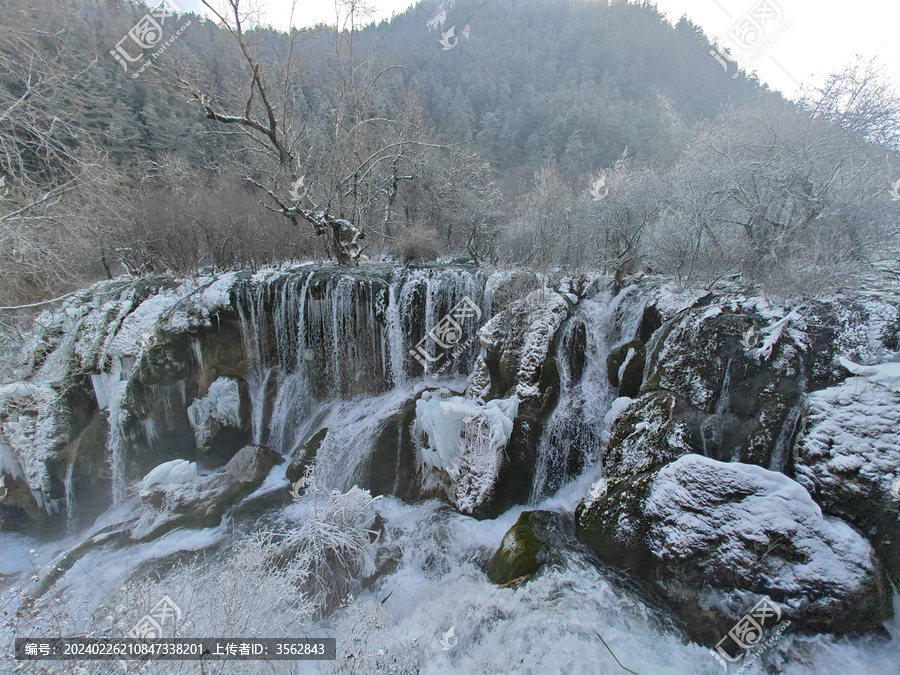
333, 546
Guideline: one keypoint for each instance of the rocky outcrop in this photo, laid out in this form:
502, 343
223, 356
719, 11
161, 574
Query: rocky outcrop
848, 456
304, 457
710, 534
518, 360
729, 393
521, 553
203, 501
625, 367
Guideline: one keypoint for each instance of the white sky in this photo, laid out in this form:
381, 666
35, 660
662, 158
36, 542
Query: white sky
816, 36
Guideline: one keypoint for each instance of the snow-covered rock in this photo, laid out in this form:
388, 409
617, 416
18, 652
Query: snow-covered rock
176, 497
173, 472
886, 375
519, 340
712, 535
221, 407
847, 455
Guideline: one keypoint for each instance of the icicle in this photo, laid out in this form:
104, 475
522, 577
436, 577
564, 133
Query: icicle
395, 331
198, 355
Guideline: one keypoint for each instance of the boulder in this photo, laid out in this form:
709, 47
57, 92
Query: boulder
709, 356
710, 535
520, 553
203, 501
847, 456
538, 538
652, 432
625, 367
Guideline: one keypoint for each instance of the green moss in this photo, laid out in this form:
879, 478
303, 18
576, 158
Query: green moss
518, 553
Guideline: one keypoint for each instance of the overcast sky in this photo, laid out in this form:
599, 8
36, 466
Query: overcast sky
809, 39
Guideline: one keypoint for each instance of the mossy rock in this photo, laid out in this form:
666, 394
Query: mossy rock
519, 554
633, 374
305, 456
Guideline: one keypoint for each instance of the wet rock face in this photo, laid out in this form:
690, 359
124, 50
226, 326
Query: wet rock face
710, 534
519, 359
305, 456
520, 553
728, 380
704, 358
625, 367
848, 458
652, 432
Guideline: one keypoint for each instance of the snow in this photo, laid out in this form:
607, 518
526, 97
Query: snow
773, 334
524, 332
617, 407
849, 445
886, 375
34, 425
17, 390
670, 300
217, 295
726, 512
596, 493
9, 463
221, 407
175, 472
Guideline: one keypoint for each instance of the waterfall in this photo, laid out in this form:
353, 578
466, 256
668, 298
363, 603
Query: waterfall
323, 335
198, 356
395, 331
573, 435
109, 390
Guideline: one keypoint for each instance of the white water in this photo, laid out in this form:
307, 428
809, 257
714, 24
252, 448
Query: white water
578, 421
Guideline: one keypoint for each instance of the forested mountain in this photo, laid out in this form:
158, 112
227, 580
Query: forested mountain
457, 128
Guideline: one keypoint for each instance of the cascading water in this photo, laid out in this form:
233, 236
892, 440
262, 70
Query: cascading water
314, 338
573, 435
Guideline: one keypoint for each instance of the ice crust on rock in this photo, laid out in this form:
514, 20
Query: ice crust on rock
221, 407
464, 440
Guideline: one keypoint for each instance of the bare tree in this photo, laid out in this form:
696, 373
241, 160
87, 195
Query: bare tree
859, 99
358, 159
